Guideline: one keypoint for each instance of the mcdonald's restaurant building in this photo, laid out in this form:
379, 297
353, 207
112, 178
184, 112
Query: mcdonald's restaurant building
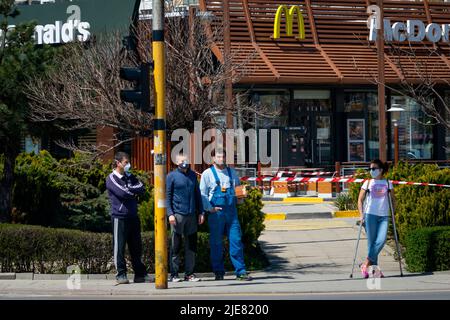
320, 73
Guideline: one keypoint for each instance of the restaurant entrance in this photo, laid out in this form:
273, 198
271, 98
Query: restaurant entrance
306, 141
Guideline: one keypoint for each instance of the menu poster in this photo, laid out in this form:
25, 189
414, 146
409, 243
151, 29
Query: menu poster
356, 140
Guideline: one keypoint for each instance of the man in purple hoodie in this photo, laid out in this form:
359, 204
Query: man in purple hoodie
123, 188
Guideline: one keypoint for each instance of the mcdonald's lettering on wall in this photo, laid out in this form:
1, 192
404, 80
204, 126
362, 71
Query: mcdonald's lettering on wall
289, 13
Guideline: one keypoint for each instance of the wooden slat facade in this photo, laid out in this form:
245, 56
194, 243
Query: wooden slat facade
336, 47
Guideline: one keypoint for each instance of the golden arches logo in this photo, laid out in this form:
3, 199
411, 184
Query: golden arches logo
289, 21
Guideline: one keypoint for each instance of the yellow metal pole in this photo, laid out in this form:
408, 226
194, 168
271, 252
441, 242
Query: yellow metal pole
161, 255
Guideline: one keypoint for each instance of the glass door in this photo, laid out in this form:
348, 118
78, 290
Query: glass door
311, 111
322, 139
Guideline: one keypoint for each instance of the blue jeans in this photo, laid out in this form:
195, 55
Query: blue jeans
225, 222
376, 230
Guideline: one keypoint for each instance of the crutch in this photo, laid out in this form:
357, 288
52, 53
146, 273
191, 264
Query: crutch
356, 250
395, 232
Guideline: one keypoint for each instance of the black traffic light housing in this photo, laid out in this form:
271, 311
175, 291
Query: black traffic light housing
140, 95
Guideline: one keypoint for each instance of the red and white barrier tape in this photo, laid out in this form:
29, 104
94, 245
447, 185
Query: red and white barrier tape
300, 181
289, 179
343, 179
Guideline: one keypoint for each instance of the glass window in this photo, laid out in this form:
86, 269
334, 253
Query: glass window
365, 104
415, 130
32, 144
312, 100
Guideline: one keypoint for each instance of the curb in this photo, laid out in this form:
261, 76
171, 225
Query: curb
84, 277
346, 214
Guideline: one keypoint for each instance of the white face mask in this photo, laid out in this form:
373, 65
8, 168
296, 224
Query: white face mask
127, 167
375, 173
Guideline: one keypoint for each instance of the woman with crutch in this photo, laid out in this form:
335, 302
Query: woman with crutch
374, 213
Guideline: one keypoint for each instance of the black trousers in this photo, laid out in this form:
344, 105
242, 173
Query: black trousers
127, 231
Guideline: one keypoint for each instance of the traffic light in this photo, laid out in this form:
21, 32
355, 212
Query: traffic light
140, 95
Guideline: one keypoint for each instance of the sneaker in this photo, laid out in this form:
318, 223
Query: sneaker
364, 272
145, 278
244, 277
122, 280
219, 276
191, 278
175, 278
377, 272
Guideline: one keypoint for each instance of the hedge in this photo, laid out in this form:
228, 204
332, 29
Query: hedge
25, 248
428, 249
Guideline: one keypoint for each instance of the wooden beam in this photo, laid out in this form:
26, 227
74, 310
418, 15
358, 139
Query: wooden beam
382, 137
227, 61
214, 48
312, 24
394, 67
248, 18
330, 62
266, 60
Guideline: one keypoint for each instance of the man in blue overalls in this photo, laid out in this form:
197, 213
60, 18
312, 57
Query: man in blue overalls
219, 201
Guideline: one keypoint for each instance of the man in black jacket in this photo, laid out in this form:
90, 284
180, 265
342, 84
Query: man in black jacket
123, 188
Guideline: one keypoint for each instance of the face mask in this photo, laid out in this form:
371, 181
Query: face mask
127, 167
375, 173
183, 165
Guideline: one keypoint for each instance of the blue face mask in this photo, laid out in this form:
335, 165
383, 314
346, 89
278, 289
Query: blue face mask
127, 167
375, 173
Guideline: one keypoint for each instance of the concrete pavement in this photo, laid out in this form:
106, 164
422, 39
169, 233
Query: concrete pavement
299, 210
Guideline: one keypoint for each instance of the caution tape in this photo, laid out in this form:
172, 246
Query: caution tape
298, 181
303, 181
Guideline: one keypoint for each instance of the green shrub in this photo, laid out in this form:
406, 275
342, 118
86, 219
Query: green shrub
69, 193
428, 249
345, 202
146, 212
251, 217
37, 249
421, 206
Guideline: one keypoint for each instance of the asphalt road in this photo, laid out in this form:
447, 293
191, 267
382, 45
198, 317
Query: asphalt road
375, 295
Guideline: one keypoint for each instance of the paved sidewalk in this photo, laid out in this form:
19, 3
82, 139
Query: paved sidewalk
300, 211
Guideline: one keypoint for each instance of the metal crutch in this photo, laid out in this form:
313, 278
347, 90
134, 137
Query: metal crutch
356, 250
395, 232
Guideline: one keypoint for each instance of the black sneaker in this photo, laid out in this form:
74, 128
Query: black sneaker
122, 280
244, 277
219, 276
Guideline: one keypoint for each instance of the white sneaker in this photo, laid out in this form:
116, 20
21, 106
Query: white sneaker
175, 279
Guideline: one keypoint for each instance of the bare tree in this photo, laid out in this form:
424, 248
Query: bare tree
420, 78
196, 76
83, 92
